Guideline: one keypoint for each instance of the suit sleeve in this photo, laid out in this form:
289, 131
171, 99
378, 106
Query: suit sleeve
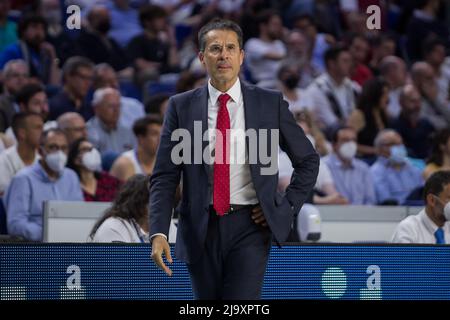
165, 177
304, 158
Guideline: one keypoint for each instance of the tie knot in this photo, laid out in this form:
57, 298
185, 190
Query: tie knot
223, 99
439, 234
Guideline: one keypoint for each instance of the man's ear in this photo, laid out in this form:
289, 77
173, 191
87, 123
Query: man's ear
201, 57
430, 200
242, 56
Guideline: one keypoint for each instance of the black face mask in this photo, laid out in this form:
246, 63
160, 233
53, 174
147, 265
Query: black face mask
291, 81
104, 26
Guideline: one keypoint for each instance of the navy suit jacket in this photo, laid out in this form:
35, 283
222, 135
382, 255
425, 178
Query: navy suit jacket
264, 109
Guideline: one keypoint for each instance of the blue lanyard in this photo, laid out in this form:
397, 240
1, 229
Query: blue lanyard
138, 231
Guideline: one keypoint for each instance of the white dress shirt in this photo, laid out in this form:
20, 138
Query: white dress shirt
419, 229
10, 164
242, 190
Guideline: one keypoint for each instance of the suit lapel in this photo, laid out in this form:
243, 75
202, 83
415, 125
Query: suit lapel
200, 105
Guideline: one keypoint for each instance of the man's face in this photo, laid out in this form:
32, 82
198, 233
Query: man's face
16, 78
388, 141
150, 141
54, 143
108, 111
387, 48
411, 103
359, 50
80, 82
398, 75
297, 43
34, 35
108, 79
437, 203
344, 136
343, 64
222, 57
76, 130
275, 28
33, 130
437, 56
39, 104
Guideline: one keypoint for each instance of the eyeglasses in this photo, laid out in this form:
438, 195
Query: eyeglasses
54, 148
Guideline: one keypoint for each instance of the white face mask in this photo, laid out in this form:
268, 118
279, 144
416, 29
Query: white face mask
56, 161
92, 160
348, 150
446, 210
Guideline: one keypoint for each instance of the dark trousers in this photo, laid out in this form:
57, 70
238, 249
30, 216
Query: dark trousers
234, 260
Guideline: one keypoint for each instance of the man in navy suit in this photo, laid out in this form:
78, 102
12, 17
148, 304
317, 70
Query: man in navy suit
230, 210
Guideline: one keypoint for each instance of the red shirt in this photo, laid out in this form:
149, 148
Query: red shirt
107, 188
361, 74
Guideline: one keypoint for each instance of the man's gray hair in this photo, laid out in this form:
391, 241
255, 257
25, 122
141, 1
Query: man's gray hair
65, 120
8, 68
379, 138
100, 94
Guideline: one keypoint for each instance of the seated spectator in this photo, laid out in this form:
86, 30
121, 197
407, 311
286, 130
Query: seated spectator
130, 109
332, 96
434, 53
32, 98
127, 220
48, 179
73, 125
264, 54
411, 125
15, 76
94, 43
433, 109
424, 22
189, 80
298, 51
324, 190
150, 54
370, 116
27, 129
57, 35
383, 46
359, 49
431, 224
157, 104
305, 120
39, 55
104, 130
86, 161
124, 22
8, 28
393, 175
440, 154
393, 70
288, 78
77, 78
319, 42
142, 159
351, 176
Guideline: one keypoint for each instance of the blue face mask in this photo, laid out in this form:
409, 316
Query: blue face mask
398, 154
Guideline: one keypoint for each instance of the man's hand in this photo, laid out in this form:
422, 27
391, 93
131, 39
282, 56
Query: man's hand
160, 246
258, 216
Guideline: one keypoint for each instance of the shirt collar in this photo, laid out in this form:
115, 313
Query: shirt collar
42, 174
234, 92
337, 162
428, 223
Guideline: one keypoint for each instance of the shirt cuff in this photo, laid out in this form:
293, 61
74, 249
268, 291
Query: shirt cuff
157, 234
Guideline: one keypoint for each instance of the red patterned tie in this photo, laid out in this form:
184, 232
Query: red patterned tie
221, 189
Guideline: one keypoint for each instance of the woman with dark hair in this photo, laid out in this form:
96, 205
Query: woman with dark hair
440, 154
127, 219
86, 161
370, 115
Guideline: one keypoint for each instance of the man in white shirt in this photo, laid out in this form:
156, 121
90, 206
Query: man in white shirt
393, 70
265, 53
27, 128
431, 224
332, 96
